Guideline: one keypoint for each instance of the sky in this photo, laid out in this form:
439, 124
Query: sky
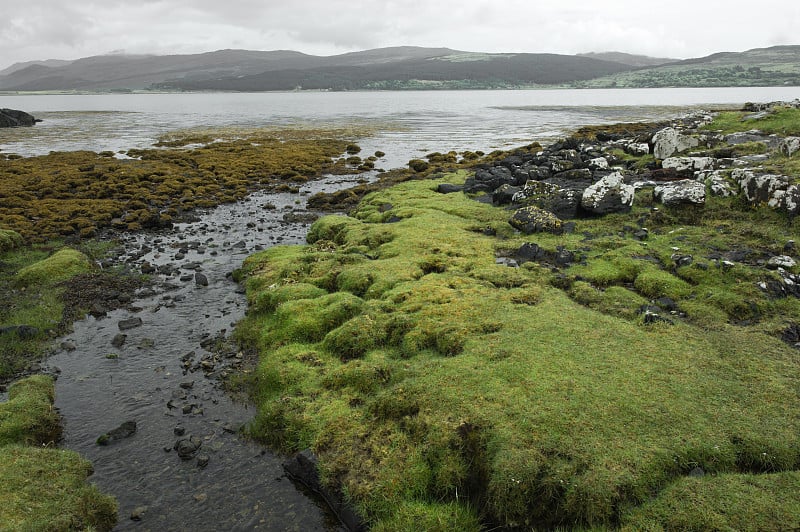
71, 29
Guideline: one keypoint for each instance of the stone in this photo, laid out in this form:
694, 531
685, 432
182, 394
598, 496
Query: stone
789, 146
505, 194
531, 220
781, 261
200, 279
684, 192
447, 188
148, 268
598, 163
14, 118
125, 430
637, 149
119, 340
202, 460
608, 195
130, 323
187, 448
774, 190
137, 514
688, 164
669, 141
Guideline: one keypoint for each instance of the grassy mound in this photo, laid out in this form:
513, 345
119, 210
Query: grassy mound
434, 383
59, 266
43, 488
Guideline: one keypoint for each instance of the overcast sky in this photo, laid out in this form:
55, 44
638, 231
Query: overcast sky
70, 29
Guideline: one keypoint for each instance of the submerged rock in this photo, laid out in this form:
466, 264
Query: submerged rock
126, 430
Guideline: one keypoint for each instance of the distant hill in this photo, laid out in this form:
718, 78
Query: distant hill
775, 66
629, 59
404, 67
243, 70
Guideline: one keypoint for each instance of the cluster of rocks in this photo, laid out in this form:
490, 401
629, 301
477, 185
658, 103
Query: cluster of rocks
14, 118
580, 177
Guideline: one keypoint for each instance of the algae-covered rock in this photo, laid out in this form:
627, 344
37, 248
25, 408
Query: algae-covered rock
531, 220
59, 266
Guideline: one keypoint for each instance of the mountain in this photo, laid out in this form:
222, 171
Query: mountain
629, 59
403, 67
774, 66
244, 70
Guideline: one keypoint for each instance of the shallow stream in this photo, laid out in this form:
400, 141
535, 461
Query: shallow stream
157, 378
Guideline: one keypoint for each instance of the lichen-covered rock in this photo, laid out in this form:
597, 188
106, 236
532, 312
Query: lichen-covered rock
608, 195
718, 184
789, 146
532, 219
669, 141
598, 163
684, 192
637, 148
688, 164
560, 201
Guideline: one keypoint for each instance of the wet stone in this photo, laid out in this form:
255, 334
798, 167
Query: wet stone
119, 340
130, 323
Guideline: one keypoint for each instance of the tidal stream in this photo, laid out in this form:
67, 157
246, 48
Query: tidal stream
157, 378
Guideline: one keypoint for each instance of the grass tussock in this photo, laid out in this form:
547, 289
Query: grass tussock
43, 488
439, 387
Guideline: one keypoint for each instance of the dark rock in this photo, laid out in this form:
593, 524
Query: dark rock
14, 118
641, 234
202, 460
697, 472
681, 260
187, 448
130, 323
27, 332
488, 180
528, 252
148, 268
126, 430
200, 279
179, 430
791, 335
562, 202
505, 194
578, 174
447, 188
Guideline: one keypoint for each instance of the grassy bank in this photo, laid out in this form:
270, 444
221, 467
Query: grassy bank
444, 391
44, 488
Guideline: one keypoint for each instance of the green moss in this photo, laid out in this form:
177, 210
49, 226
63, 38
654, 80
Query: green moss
414, 516
46, 489
722, 502
458, 388
60, 266
782, 121
655, 283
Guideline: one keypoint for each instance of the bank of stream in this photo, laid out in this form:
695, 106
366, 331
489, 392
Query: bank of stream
157, 364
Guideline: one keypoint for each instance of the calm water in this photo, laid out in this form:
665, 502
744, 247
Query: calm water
408, 124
